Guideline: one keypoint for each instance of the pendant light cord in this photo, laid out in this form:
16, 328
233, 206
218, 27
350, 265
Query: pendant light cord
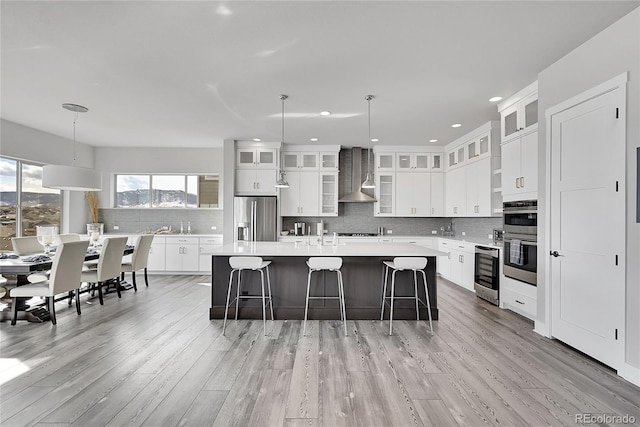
282, 98
74, 139
369, 153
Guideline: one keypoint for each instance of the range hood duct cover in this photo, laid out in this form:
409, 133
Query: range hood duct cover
356, 195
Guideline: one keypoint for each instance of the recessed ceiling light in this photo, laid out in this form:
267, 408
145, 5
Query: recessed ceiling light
495, 99
433, 140
374, 140
313, 139
257, 139
325, 113
456, 125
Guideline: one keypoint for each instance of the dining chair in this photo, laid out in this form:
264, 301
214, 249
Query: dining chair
139, 260
64, 238
26, 245
108, 266
65, 277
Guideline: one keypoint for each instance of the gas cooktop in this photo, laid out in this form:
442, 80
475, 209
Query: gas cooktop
357, 234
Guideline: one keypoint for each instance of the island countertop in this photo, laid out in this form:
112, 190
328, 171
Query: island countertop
295, 249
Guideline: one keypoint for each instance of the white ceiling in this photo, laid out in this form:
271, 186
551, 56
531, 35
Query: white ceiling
190, 74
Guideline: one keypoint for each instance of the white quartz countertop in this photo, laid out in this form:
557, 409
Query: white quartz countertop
343, 249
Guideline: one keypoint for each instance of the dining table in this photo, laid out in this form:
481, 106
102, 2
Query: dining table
18, 268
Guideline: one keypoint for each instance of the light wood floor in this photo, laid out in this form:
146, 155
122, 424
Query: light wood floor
153, 358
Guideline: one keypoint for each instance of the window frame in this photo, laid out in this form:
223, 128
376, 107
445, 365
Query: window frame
150, 204
19, 187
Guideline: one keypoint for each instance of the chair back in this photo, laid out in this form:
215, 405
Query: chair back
410, 263
111, 258
64, 238
67, 266
26, 245
141, 252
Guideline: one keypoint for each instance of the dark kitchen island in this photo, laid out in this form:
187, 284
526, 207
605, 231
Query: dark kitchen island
361, 269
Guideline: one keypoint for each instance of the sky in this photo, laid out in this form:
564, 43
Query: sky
31, 177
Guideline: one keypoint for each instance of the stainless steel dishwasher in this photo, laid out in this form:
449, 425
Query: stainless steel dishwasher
487, 274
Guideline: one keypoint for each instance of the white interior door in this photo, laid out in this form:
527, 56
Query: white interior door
587, 227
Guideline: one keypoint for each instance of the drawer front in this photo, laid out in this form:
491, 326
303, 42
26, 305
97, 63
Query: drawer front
182, 240
210, 240
520, 303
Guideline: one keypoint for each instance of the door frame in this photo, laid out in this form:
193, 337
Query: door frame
619, 81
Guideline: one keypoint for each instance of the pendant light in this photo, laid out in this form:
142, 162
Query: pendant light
368, 181
282, 179
72, 177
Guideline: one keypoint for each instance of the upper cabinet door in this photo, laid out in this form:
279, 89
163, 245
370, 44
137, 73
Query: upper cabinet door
245, 158
261, 158
266, 158
384, 162
300, 160
329, 161
436, 162
519, 118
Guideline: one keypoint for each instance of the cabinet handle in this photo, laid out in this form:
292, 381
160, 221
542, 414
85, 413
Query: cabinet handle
522, 181
432, 211
519, 302
517, 182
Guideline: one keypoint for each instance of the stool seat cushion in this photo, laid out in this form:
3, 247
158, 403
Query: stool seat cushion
247, 262
324, 263
409, 263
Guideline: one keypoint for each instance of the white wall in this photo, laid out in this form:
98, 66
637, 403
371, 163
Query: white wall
25, 143
608, 54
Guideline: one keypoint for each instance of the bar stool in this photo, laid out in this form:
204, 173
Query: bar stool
240, 263
414, 264
326, 264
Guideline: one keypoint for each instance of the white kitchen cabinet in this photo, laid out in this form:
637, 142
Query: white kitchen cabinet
520, 117
157, 255
412, 162
385, 194
478, 188
206, 247
302, 196
437, 163
256, 181
520, 168
437, 194
412, 194
385, 162
182, 254
456, 192
444, 262
256, 158
328, 194
305, 160
519, 297
459, 267
456, 157
329, 161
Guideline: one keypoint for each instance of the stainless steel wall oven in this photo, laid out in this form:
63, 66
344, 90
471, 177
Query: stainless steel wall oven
521, 240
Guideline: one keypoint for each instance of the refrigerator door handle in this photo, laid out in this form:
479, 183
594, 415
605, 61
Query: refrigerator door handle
254, 222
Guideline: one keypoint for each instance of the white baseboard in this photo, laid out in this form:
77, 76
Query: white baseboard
542, 329
630, 373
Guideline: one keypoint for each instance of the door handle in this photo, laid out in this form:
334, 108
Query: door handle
554, 253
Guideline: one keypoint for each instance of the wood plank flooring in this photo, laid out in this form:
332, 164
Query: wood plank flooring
153, 358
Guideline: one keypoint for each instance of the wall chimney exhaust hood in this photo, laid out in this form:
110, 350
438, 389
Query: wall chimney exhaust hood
356, 195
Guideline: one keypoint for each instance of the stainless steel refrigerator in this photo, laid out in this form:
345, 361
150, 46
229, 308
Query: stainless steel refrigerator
255, 219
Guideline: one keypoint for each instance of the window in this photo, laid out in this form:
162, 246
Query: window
24, 201
167, 191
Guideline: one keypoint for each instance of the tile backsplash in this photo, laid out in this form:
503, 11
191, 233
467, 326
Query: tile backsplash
141, 220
